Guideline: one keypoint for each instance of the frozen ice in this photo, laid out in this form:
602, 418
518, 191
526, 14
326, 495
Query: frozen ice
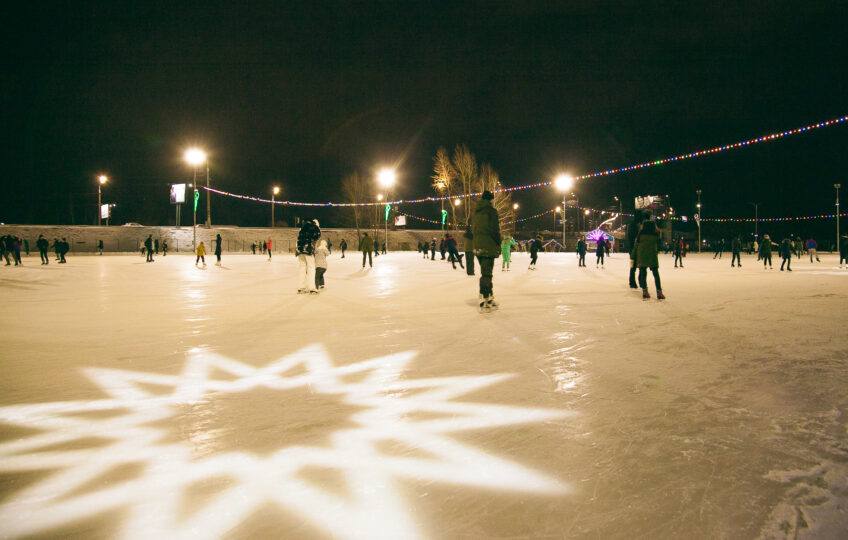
164, 400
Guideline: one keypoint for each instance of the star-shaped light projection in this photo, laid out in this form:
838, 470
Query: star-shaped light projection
81, 480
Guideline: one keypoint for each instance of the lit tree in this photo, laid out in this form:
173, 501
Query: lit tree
490, 180
444, 179
465, 165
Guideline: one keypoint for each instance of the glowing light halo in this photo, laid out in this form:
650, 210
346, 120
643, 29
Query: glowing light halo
596, 174
152, 500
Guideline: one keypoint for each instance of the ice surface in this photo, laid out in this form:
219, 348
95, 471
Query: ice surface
162, 400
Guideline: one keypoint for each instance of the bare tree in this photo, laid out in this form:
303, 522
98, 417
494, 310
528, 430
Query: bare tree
465, 165
444, 179
353, 186
490, 181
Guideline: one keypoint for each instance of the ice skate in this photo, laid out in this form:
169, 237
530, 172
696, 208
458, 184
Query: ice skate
491, 302
484, 305
314, 291
660, 295
645, 294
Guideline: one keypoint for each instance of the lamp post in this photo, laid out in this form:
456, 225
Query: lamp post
386, 178
557, 210
102, 179
756, 206
196, 157
441, 185
620, 211
836, 187
698, 206
274, 192
563, 183
457, 203
585, 213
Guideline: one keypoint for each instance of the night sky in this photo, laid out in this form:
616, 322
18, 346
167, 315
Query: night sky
301, 94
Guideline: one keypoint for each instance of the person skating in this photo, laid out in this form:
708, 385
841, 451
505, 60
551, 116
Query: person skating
535, 245
64, 247
812, 247
156, 246
433, 249
164, 247
581, 252
442, 248
506, 251
765, 251
633, 229
322, 250
756, 248
453, 252
600, 250
719, 249
384, 248
843, 251
329, 247
148, 246
487, 246
468, 239
366, 246
16, 251
307, 238
26, 246
679, 247
217, 250
647, 249
200, 251
57, 247
798, 246
785, 250
343, 247
736, 248
253, 248
100, 247
42, 244
269, 245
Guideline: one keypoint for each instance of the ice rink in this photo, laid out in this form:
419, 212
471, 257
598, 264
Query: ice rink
166, 401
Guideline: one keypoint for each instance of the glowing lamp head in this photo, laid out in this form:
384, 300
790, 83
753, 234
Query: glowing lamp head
586, 212
457, 202
386, 177
564, 182
276, 190
102, 179
379, 196
194, 157
558, 209
515, 206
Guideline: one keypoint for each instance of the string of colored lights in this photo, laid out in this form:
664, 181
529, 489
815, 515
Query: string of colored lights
608, 172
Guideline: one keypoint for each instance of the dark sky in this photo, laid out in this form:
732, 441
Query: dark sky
303, 93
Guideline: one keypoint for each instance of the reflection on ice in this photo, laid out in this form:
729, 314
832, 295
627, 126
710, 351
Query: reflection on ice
195, 427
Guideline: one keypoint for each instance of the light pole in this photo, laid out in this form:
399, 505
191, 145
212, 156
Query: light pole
756, 206
102, 179
698, 206
585, 213
386, 178
456, 204
274, 192
440, 187
563, 182
620, 212
196, 157
836, 187
557, 210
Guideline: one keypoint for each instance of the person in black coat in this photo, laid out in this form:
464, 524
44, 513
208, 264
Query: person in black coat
148, 246
535, 246
468, 237
64, 247
433, 249
581, 252
633, 229
217, 250
343, 246
600, 250
42, 244
453, 253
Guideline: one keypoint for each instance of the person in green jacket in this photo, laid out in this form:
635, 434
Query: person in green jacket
506, 251
366, 246
647, 249
486, 233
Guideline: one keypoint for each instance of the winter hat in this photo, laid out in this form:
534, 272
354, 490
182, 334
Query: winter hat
315, 221
488, 195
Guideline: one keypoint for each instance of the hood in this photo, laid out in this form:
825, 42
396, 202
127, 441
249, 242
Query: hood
483, 204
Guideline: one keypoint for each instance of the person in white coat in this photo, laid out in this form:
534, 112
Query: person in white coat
321, 252
306, 239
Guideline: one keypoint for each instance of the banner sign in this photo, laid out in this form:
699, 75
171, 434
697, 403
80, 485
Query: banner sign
649, 202
105, 210
400, 221
178, 193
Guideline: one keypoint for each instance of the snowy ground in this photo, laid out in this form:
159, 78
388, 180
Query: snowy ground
161, 400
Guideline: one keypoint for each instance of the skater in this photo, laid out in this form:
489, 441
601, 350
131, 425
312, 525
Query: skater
164, 247
756, 247
433, 249
366, 245
148, 246
468, 238
812, 247
64, 247
453, 253
765, 251
201, 254
156, 246
26, 246
269, 244
647, 249
253, 248
442, 248
843, 251
535, 245
719, 249
321, 252
376, 246
100, 247
343, 247
487, 246
217, 250
506, 251
264, 247
736, 248
679, 248
600, 249
384, 248
798, 247
329, 247
307, 237
581, 253
57, 247
632, 232
42, 244
786, 254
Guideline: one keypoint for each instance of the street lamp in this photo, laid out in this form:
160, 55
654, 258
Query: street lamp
196, 157
585, 213
386, 177
274, 192
836, 187
698, 206
101, 181
756, 206
563, 183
